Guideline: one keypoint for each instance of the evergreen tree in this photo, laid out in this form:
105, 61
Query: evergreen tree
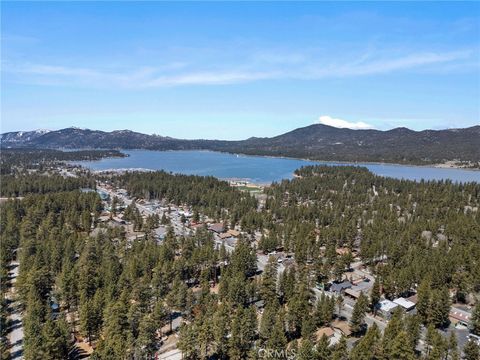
471, 351
147, 337
358, 314
475, 319
277, 339
423, 300
323, 349
401, 348
340, 351
268, 321
368, 348
375, 296
268, 289
307, 351
453, 353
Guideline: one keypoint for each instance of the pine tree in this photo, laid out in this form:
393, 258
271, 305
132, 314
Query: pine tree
412, 326
358, 314
308, 328
423, 300
147, 337
220, 330
187, 342
268, 289
339, 302
340, 351
323, 349
55, 340
277, 339
368, 346
393, 329
439, 307
475, 320
453, 347
268, 321
375, 296
306, 351
471, 351
401, 349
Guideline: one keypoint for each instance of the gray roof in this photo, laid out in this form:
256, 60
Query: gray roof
338, 287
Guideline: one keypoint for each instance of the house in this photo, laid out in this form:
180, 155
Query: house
457, 315
134, 236
234, 233
353, 293
340, 287
404, 303
104, 218
386, 307
231, 242
217, 228
327, 331
342, 326
225, 235
119, 220
413, 299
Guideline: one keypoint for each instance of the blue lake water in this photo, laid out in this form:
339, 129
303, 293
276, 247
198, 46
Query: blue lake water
257, 169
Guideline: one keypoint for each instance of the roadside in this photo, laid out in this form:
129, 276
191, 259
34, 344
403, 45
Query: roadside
15, 326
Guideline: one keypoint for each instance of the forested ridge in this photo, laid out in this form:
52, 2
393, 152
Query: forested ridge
415, 237
12, 160
316, 142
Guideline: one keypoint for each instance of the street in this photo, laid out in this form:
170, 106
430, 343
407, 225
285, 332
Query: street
15, 327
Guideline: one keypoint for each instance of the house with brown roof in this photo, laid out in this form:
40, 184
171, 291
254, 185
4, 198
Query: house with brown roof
234, 233
342, 326
327, 331
217, 228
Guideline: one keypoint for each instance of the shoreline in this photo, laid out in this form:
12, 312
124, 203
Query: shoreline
446, 165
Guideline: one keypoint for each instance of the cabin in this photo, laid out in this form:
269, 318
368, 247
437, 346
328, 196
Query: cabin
217, 228
327, 331
386, 308
340, 287
342, 326
460, 316
404, 303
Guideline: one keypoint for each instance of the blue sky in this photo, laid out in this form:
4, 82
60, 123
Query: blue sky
234, 70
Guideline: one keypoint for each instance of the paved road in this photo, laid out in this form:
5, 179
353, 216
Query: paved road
15, 332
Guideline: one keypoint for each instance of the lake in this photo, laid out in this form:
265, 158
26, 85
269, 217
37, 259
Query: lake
257, 169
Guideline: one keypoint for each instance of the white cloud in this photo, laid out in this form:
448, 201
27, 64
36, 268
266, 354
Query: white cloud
257, 69
339, 123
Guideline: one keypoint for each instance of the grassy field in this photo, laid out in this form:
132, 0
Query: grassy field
253, 189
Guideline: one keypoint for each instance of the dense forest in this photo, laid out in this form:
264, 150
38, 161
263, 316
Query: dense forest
40, 159
117, 294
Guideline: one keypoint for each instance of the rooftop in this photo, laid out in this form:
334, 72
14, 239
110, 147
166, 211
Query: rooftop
404, 303
387, 305
217, 227
327, 331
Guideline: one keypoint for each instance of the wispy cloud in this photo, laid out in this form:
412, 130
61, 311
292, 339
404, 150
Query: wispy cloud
340, 123
257, 68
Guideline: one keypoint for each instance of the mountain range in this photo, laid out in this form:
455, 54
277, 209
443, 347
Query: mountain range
316, 142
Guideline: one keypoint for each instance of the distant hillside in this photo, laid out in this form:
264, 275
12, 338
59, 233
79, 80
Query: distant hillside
320, 142
399, 145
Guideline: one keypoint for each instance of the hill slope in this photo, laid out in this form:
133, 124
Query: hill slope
317, 141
